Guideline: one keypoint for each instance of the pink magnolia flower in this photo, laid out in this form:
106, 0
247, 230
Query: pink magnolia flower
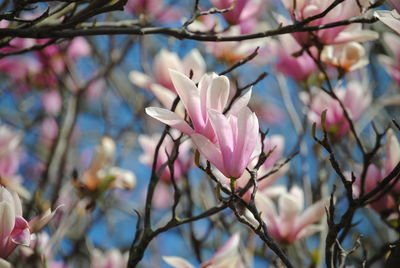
300, 10
374, 175
287, 222
182, 163
227, 256
14, 229
236, 140
390, 18
349, 56
354, 99
297, 67
154, 10
244, 12
392, 63
110, 259
211, 93
10, 151
161, 82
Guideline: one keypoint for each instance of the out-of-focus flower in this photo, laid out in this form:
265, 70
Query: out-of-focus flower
14, 229
181, 164
227, 256
10, 151
390, 18
354, 99
101, 176
161, 82
392, 64
349, 56
244, 12
287, 222
374, 175
52, 101
48, 130
395, 4
300, 10
111, 259
211, 93
297, 67
236, 140
153, 10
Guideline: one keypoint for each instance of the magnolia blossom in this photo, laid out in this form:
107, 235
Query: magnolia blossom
244, 12
227, 256
10, 151
298, 67
354, 99
392, 63
52, 102
181, 164
100, 174
161, 84
287, 222
349, 56
14, 229
374, 175
153, 10
111, 259
390, 18
211, 93
236, 140
300, 10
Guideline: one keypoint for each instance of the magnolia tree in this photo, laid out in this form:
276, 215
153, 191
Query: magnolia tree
215, 133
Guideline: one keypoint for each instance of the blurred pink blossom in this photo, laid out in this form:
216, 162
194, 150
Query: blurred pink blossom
349, 56
288, 221
182, 163
14, 229
161, 82
236, 140
110, 259
227, 256
354, 98
297, 67
48, 131
52, 101
392, 63
10, 151
154, 10
395, 4
244, 12
300, 10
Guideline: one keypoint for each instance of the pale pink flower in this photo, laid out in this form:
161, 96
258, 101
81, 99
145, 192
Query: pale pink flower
227, 256
110, 259
244, 12
390, 18
297, 67
354, 98
154, 10
78, 48
14, 229
182, 163
395, 4
392, 63
349, 56
10, 151
287, 221
161, 82
48, 131
52, 101
336, 35
211, 93
236, 140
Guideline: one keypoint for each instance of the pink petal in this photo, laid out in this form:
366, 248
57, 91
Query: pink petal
7, 221
140, 79
190, 97
218, 93
209, 151
312, 214
240, 103
169, 118
194, 62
